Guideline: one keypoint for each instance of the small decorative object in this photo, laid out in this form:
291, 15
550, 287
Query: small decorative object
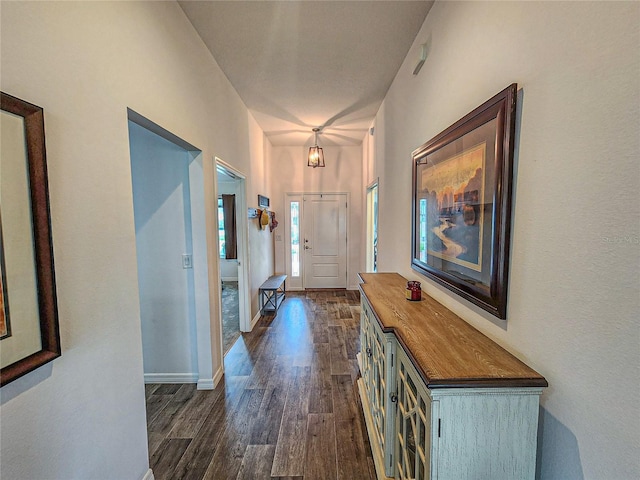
316, 156
30, 338
252, 213
461, 212
263, 201
414, 292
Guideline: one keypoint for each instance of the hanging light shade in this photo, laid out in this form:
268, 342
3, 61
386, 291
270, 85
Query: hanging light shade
316, 156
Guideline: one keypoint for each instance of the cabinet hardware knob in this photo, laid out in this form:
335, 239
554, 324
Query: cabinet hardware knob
394, 398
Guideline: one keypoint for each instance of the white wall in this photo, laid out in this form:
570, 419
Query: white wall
83, 416
342, 174
162, 207
261, 254
574, 299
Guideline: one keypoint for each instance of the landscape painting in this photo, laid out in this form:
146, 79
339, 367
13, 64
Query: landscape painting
5, 327
450, 197
461, 209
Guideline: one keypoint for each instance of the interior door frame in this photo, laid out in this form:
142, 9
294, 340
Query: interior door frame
242, 222
292, 284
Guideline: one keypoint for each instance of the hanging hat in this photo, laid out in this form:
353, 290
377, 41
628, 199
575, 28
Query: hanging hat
264, 218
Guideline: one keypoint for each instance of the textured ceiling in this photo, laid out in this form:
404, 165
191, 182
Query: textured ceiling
304, 64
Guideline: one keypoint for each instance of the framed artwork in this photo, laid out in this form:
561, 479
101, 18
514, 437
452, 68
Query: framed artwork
29, 338
5, 323
263, 201
461, 209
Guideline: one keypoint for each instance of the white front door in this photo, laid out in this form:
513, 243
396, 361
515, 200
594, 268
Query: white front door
324, 241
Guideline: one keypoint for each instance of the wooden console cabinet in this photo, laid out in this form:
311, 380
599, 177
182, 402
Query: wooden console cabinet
441, 400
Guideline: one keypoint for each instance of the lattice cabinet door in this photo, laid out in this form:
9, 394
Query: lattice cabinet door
383, 410
413, 423
379, 392
378, 377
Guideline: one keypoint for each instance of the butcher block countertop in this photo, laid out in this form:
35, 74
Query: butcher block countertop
446, 350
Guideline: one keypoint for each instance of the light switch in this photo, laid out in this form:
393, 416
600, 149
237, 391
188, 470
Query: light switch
187, 261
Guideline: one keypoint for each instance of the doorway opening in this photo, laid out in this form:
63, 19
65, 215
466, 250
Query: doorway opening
233, 228
168, 203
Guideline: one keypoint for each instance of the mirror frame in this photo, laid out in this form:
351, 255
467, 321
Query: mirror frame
43, 248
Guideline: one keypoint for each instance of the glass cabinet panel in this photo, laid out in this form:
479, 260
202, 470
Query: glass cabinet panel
413, 417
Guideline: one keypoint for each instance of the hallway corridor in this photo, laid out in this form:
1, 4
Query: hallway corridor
287, 406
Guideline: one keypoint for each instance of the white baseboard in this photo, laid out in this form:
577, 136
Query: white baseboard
170, 378
205, 384
255, 320
218, 375
148, 475
229, 279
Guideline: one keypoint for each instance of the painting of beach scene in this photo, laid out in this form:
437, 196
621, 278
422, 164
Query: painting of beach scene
450, 206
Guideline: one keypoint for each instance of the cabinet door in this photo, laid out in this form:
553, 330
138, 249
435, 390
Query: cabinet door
379, 391
413, 423
366, 351
377, 353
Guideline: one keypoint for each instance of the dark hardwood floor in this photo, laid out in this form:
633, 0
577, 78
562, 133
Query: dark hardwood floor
287, 407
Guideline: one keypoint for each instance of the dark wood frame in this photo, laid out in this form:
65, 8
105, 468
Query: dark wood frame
41, 223
502, 108
3, 290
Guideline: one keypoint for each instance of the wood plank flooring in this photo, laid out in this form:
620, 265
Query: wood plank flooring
287, 407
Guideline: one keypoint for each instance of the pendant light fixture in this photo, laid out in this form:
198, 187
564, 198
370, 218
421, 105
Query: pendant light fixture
316, 157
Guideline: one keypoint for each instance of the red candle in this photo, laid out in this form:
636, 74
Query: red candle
414, 293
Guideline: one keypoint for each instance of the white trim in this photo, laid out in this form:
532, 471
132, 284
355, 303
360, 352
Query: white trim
242, 220
170, 378
205, 384
369, 221
255, 319
148, 475
229, 279
218, 375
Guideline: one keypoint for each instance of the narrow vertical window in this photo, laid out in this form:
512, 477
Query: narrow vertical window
223, 253
372, 229
375, 228
295, 239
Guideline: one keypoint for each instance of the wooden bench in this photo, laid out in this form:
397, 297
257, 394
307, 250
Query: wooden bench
272, 294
